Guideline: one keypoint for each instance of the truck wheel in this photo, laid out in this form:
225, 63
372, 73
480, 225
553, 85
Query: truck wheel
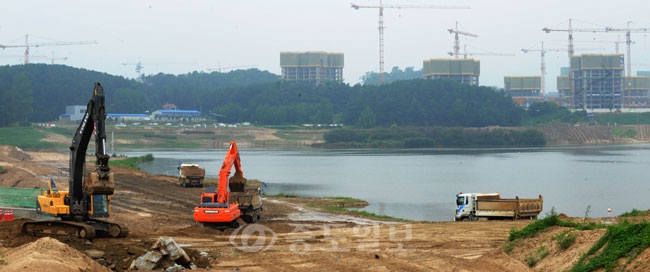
465, 219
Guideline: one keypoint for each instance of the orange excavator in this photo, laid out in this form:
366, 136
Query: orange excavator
222, 207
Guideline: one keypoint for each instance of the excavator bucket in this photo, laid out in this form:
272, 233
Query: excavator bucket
237, 183
94, 185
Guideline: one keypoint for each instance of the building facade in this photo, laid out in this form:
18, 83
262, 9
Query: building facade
73, 113
462, 70
316, 67
595, 81
636, 92
598, 82
524, 90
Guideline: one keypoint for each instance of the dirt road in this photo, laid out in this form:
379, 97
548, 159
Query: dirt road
290, 236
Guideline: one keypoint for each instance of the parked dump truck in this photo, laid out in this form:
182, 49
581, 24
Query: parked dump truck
249, 200
489, 206
190, 175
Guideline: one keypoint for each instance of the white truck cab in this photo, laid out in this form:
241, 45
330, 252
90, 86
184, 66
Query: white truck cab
466, 205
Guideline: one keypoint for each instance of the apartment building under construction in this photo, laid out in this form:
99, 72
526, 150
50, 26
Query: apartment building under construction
524, 90
462, 70
316, 67
594, 81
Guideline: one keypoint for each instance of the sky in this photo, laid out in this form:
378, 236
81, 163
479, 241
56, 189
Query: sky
180, 37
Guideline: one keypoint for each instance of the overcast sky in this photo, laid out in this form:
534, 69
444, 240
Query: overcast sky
179, 37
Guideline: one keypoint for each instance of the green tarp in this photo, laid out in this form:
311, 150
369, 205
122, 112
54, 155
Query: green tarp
18, 197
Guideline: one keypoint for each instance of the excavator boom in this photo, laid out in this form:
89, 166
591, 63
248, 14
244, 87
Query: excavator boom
218, 207
88, 197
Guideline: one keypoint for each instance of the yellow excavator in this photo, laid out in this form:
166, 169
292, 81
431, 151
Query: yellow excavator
88, 197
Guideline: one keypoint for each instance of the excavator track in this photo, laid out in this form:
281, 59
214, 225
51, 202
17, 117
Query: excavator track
83, 230
109, 229
59, 228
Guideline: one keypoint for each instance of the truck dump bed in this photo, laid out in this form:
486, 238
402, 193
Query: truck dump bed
191, 175
514, 207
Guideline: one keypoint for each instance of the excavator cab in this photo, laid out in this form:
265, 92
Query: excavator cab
99, 206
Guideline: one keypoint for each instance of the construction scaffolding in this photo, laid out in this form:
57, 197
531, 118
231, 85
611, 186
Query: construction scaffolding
524, 90
462, 70
597, 81
316, 67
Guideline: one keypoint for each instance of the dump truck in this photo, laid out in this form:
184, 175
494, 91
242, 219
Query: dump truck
249, 200
489, 206
190, 175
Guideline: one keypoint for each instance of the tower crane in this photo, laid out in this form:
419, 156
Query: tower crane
139, 66
543, 74
543, 51
27, 45
465, 53
628, 40
456, 32
381, 8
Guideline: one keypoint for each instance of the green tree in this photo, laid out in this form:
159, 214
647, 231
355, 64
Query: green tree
16, 101
367, 119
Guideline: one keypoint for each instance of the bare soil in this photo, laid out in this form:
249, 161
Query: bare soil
290, 237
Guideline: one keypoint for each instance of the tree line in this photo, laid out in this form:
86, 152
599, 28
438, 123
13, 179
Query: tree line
40, 92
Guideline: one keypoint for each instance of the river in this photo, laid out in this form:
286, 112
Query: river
421, 184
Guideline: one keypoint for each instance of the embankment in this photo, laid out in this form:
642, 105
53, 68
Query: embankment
567, 135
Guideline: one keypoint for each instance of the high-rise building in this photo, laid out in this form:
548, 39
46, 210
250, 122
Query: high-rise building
595, 81
636, 91
462, 70
524, 89
315, 67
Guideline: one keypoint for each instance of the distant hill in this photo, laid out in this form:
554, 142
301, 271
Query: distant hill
40, 92
47, 89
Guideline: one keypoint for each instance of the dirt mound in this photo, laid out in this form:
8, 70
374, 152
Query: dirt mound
48, 254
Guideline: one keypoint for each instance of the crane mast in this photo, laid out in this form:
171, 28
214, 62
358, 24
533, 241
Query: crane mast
456, 32
628, 39
27, 45
381, 7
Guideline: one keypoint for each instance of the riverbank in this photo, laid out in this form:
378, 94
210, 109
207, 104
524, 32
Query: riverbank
161, 137
293, 235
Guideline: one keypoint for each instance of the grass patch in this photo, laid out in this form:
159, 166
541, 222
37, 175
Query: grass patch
510, 245
551, 219
338, 204
565, 239
534, 257
286, 195
161, 136
624, 132
625, 240
374, 215
618, 247
24, 138
635, 212
131, 162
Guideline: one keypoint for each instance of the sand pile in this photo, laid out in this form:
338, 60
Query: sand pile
47, 254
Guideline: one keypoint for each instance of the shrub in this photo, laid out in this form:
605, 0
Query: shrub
565, 239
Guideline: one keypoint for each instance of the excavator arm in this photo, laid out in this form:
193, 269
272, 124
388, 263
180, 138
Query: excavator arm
237, 182
100, 181
88, 197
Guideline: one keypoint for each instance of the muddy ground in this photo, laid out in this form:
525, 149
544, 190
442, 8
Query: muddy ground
290, 237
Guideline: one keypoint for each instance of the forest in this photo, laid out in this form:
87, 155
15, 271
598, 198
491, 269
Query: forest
40, 92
